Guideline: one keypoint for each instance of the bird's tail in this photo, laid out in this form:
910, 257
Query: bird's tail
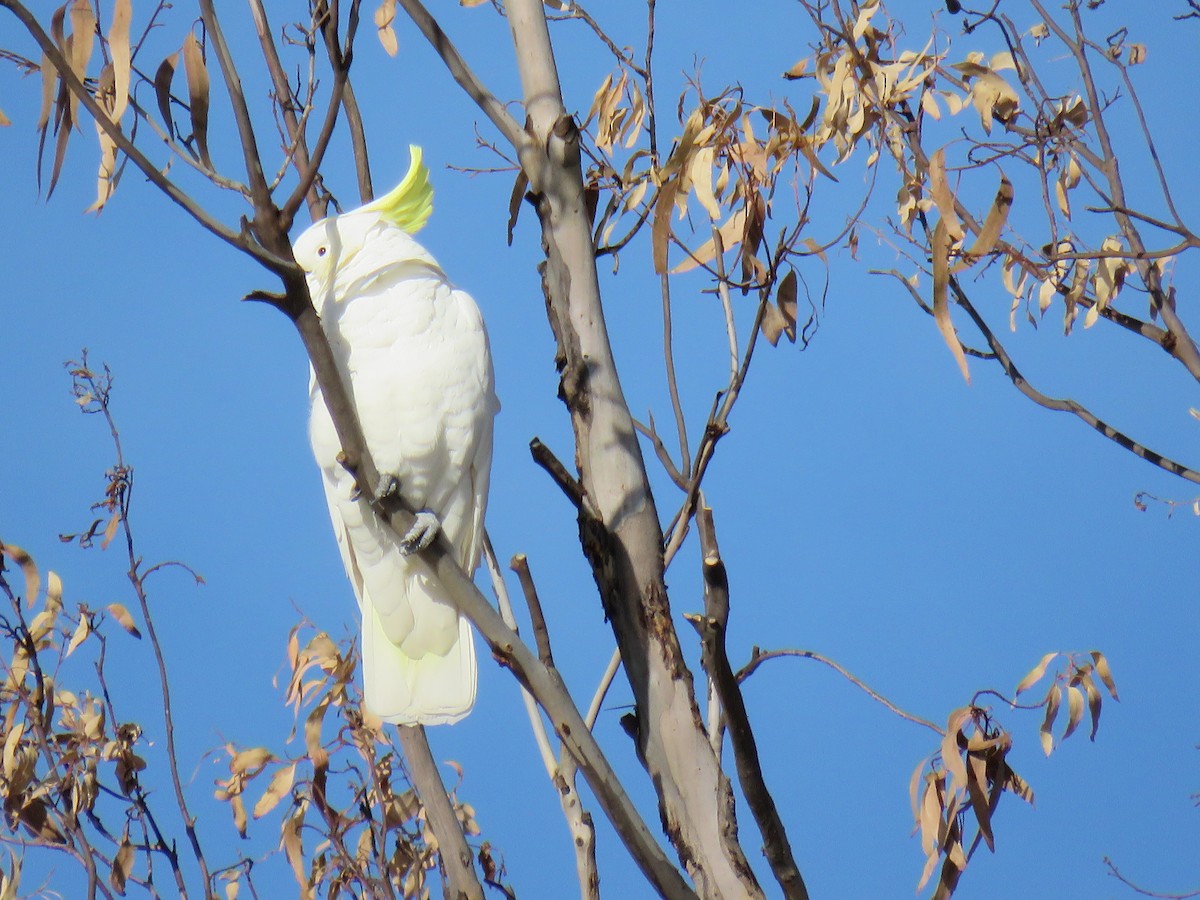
428, 678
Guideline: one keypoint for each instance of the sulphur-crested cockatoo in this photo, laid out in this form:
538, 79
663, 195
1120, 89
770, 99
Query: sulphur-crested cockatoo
413, 351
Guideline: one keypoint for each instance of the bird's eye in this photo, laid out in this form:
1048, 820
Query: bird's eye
321, 251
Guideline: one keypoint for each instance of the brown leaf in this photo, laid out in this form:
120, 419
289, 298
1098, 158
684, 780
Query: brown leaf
198, 87
119, 49
951, 758
281, 784
980, 802
293, 848
252, 759
162, 89
941, 305
124, 619
36, 819
785, 298
1015, 784
1035, 674
1094, 703
731, 235
1074, 711
83, 39
110, 529
1104, 672
796, 71
33, 580
49, 84
122, 865
943, 198
520, 185
82, 630
385, 14
1052, 701
994, 223
661, 229
238, 808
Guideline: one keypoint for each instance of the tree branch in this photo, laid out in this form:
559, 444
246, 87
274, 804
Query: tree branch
711, 628
1077, 409
461, 72
273, 262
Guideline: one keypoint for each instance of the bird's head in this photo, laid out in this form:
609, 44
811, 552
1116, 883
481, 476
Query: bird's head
331, 248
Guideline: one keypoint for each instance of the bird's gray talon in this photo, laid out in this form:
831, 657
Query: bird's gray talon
422, 533
387, 485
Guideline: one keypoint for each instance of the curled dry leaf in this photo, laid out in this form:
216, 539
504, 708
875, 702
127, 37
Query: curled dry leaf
1094, 703
198, 90
1103, 670
163, 77
82, 40
33, 580
281, 784
120, 52
1074, 711
941, 301
385, 15
124, 619
661, 229
1051, 702
943, 197
82, 630
977, 791
731, 234
1035, 674
997, 216
122, 865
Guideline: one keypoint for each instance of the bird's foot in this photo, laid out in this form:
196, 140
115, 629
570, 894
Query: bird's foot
422, 533
387, 486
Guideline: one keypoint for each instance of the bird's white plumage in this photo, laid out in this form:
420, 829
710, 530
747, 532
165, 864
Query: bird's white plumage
414, 353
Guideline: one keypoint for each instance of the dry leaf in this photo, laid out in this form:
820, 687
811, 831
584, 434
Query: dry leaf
941, 303
162, 90
198, 88
1052, 701
1035, 675
731, 235
121, 614
939, 187
1104, 672
1074, 711
661, 229
385, 14
33, 580
122, 865
281, 784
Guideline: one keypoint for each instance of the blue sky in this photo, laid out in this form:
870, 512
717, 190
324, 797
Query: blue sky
934, 538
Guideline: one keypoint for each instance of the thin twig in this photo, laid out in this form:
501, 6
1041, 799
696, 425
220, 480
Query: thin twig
758, 657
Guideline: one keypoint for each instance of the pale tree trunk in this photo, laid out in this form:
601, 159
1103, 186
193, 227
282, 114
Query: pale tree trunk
619, 525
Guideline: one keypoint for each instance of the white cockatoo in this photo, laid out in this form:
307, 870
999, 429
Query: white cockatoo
413, 352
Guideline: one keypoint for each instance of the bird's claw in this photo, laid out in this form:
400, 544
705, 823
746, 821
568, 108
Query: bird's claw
387, 486
422, 533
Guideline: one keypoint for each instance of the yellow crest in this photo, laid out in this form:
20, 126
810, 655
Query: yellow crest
410, 203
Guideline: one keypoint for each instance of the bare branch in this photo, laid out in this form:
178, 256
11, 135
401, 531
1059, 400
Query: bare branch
758, 657
1070, 406
1116, 873
462, 881
711, 628
461, 72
